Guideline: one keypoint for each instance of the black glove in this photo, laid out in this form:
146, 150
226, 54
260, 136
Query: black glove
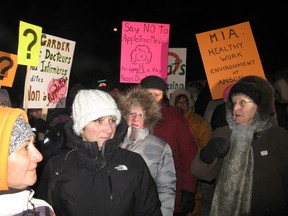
217, 147
187, 201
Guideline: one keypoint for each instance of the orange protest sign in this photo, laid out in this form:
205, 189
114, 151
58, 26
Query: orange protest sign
228, 54
8, 66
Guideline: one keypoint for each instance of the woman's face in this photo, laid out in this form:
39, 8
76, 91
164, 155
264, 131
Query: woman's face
100, 130
244, 109
136, 117
22, 165
182, 103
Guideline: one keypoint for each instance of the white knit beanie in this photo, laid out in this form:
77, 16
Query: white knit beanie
91, 104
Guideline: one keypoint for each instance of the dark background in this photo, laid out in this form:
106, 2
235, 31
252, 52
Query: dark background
97, 51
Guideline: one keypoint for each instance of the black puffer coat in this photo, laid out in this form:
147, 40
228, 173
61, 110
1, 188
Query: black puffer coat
110, 182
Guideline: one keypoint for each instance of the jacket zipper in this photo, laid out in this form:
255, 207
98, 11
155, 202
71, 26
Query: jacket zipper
110, 187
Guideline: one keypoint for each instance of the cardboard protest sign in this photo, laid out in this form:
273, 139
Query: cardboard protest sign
29, 44
176, 69
8, 67
228, 54
144, 51
47, 84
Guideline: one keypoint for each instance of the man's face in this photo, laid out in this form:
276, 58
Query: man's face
156, 93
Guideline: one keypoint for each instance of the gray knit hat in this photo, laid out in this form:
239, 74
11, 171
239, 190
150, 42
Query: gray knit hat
91, 104
21, 132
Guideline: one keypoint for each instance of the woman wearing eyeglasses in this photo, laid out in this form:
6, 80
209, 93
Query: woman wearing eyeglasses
142, 113
249, 157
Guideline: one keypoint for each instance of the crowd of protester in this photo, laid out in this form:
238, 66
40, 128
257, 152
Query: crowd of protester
188, 150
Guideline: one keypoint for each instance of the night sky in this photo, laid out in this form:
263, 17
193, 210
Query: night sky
97, 52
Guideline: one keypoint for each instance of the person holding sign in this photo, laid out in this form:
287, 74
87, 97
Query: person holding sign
248, 157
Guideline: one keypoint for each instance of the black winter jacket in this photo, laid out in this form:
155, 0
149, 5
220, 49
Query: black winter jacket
89, 182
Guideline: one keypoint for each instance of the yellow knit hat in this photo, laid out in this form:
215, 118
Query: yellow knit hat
8, 117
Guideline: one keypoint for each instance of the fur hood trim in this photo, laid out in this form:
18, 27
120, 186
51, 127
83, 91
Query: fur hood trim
139, 96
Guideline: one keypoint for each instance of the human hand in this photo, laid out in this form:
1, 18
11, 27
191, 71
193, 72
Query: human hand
217, 147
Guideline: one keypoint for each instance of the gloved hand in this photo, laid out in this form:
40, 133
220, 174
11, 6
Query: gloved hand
187, 201
217, 147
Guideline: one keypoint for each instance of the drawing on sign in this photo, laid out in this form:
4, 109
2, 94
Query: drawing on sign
176, 64
57, 89
141, 55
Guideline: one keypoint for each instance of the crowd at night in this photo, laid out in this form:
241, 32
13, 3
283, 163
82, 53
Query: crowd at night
98, 46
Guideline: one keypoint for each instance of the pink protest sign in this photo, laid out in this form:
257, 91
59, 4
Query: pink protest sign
144, 51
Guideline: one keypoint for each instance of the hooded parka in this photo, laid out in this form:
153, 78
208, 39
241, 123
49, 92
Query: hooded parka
155, 151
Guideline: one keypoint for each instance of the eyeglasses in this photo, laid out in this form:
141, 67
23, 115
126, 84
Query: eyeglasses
241, 103
142, 116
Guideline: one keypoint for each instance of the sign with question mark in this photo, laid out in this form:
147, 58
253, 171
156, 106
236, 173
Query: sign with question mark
8, 66
29, 44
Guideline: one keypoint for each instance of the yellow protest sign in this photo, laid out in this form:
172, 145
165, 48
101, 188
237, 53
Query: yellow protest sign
29, 44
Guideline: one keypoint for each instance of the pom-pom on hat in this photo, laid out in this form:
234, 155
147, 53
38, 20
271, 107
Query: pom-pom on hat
154, 82
14, 130
259, 90
91, 104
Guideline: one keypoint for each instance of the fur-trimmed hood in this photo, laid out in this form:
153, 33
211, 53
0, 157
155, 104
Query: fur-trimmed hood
139, 96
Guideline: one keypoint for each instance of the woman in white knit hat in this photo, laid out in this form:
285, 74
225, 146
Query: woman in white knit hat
97, 177
18, 161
